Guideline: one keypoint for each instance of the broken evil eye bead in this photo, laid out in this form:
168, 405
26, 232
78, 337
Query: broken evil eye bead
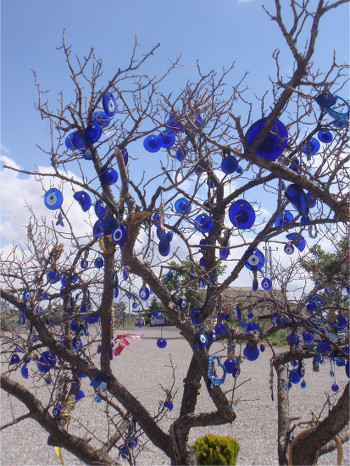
109, 104
53, 199
26, 295
144, 293
266, 284
84, 200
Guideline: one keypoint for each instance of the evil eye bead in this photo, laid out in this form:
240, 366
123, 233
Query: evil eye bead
180, 154
109, 104
152, 143
183, 206
289, 249
275, 141
167, 138
229, 165
182, 303
326, 99
101, 118
266, 284
118, 234
53, 199
100, 210
92, 133
56, 412
84, 264
98, 399
125, 155
311, 147
84, 200
98, 263
109, 176
88, 155
254, 259
242, 214
164, 247
335, 388
325, 136
144, 293
26, 295
161, 343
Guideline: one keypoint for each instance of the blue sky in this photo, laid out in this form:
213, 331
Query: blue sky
214, 32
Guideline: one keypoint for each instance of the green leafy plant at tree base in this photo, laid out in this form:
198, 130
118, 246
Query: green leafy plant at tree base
216, 449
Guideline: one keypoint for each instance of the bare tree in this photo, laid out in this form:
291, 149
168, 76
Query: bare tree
214, 161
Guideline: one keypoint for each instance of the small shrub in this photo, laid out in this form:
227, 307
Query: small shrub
216, 449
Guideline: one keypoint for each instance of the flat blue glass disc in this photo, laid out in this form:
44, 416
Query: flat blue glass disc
84, 200
283, 218
152, 143
100, 210
109, 176
242, 214
109, 104
251, 352
74, 141
274, 143
98, 228
144, 293
254, 259
118, 234
204, 223
297, 197
161, 234
98, 263
229, 165
180, 154
183, 206
167, 138
326, 100
325, 136
53, 199
101, 118
311, 147
161, 343
164, 247
92, 133
297, 240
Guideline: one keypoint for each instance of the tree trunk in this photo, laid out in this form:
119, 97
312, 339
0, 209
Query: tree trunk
283, 410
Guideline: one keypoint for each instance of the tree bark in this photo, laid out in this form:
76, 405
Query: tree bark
283, 410
306, 449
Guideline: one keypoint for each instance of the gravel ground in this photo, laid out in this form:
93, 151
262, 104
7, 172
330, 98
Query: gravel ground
143, 367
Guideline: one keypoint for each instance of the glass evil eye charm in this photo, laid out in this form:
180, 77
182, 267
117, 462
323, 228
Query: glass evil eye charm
254, 259
251, 351
100, 210
152, 143
326, 99
182, 303
53, 199
229, 165
288, 249
98, 263
297, 240
144, 293
92, 133
109, 176
74, 141
84, 200
101, 118
274, 143
283, 218
118, 234
266, 284
109, 104
26, 295
204, 223
167, 138
297, 197
242, 214
311, 147
161, 343
164, 247
183, 206
325, 136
